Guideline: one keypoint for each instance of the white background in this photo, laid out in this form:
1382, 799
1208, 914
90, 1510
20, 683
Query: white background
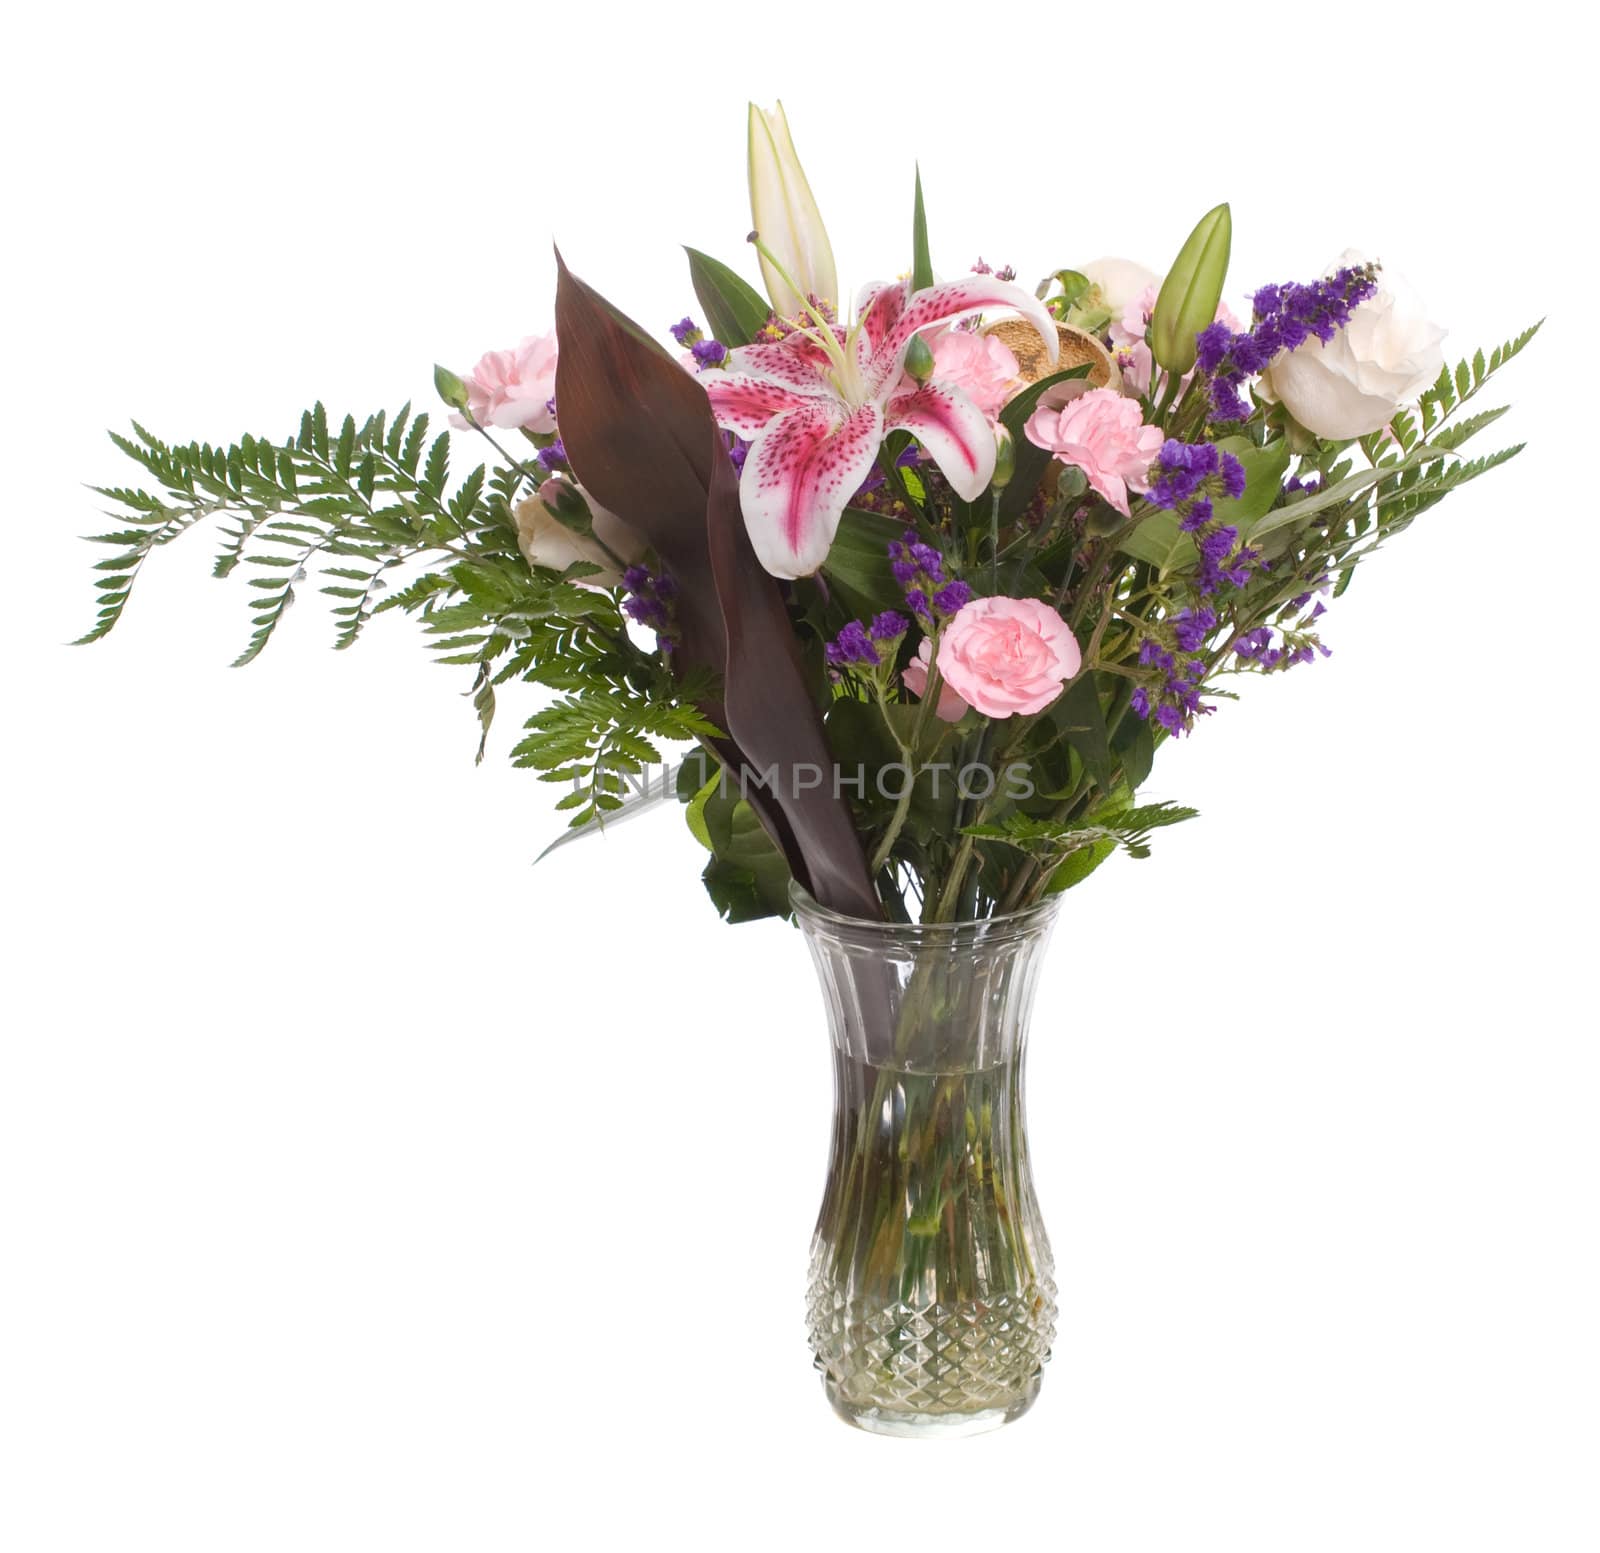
363, 1187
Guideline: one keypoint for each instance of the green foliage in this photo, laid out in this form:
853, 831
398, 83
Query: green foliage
1454, 388
921, 259
364, 507
351, 504
747, 876
1129, 828
368, 515
601, 737
735, 311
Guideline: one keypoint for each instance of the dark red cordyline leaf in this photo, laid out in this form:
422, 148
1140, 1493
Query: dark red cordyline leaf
770, 711
640, 435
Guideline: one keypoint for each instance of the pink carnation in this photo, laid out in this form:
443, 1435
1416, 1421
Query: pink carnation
1008, 656
515, 387
981, 365
1105, 436
915, 674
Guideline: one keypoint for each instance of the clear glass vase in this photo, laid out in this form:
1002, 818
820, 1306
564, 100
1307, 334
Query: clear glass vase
931, 1303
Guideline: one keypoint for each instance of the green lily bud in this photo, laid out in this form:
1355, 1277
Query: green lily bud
1190, 293
919, 359
1005, 458
450, 388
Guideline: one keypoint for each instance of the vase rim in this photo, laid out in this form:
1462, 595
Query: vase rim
1005, 924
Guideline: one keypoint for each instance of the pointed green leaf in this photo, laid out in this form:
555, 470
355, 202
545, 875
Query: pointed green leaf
921, 260
735, 311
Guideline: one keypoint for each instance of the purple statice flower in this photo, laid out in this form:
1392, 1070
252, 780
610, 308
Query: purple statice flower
1180, 472
1186, 478
709, 353
869, 646
1185, 472
1283, 319
1174, 700
738, 451
851, 647
931, 594
1258, 649
649, 601
553, 457
1190, 628
687, 333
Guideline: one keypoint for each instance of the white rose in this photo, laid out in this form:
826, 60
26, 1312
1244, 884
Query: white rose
546, 541
1120, 282
1386, 355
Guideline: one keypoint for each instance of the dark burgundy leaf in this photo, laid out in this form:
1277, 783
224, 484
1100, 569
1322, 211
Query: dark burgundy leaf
770, 711
640, 435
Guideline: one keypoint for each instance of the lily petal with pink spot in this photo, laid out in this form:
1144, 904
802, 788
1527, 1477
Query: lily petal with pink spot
818, 408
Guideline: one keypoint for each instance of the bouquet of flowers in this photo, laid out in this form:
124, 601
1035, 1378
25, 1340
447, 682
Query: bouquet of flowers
922, 581
930, 583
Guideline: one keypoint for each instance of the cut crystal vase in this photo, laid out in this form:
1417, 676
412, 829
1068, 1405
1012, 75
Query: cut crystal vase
931, 1302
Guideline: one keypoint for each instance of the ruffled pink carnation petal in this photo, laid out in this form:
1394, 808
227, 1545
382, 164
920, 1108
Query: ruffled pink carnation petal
514, 388
1103, 434
1007, 657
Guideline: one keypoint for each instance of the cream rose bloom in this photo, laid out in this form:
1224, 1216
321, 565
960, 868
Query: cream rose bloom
1120, 282
546, 541
1383, 358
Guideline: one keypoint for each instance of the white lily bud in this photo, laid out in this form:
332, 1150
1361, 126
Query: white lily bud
786, 216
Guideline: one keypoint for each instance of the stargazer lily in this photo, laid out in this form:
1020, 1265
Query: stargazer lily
819, 403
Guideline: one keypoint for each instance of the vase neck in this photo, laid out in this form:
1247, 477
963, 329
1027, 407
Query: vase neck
947, 998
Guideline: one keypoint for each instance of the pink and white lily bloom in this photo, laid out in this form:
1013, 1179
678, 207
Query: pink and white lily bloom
818, 405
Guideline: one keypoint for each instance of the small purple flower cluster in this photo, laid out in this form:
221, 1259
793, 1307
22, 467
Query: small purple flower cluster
706, 353
1256, 647
1006, 272
930, 595
649, 601
1284, 318
867, 646
1187, 477
1176, 702
1189, 474
553, 457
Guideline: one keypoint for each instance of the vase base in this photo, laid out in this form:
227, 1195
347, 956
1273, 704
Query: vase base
927, 1426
